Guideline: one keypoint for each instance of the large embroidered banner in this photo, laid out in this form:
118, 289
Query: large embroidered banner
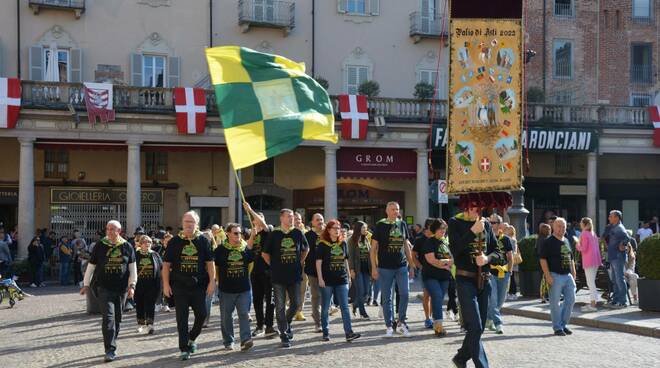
485, 105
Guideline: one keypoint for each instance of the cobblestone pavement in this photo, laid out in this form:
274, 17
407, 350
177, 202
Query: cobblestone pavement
51, 329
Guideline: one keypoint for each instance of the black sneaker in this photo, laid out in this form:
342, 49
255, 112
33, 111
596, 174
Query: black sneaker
289, 334
366, 317
567, 331
560, 333
258, 331
246, 345
326, 337
374, 303
286, 344
394, 324
110, 357
458, 363
352, 336
192, 347
270, 332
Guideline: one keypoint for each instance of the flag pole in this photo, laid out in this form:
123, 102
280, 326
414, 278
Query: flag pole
240, 189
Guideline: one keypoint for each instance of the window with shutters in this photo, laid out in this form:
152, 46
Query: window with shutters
56, 164
358, 7
355, 75
156, 166
641, 63
153, 71
63, 63
430, 76
642, 11
264, 171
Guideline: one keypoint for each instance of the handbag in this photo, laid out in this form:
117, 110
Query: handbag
517, 258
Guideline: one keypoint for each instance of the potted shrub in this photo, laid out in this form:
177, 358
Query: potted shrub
649, 269
369, 88
530, 269
424, 93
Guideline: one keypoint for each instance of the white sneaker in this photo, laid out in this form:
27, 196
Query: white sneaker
165, 308
404, 330
140, 329
389, 332
33, 285
451, 316
80, 284
150, 329
333, 310
588, 309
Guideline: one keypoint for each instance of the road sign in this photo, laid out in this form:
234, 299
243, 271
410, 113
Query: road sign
442, 192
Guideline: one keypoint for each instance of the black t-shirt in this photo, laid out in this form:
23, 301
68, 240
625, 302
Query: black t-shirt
365, 261
310, 262
333, 258
285, 250
440, 249
463, 244
188, 259
504, 244
148, 266
558, 254
260, 266
391, 238
112, 264
232, 263
418, 246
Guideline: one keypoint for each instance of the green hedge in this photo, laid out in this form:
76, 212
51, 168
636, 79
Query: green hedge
530, 258
649, 257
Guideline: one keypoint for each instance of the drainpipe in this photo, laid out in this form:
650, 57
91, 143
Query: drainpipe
313, 36
597, 51
18, 39
210, 23
544, 51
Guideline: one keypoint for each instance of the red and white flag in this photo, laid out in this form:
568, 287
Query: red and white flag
10, 102
98, 99
190, 107
654, 115
354, 115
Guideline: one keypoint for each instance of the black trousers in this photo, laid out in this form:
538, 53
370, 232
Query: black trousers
262, 291
77, 272
147, 292
110, 303
285, 316
184, 299
451, 294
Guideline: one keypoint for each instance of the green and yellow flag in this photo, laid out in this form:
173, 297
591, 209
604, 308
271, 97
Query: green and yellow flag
268, 105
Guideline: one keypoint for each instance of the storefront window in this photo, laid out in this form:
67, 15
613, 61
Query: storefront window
56, 164
156, 166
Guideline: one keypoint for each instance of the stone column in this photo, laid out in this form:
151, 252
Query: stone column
422, 185
26, 229
133, 187
592, 186
231, 210
330, 197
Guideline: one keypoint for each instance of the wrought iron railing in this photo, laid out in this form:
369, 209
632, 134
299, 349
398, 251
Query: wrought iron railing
267, 13
128, 99
641, 73
429, 25
64, 4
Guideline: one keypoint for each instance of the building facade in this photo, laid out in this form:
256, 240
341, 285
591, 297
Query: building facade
61, 173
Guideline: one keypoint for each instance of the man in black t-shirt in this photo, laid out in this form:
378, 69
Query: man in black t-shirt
285, 252
392, 262
188, 272
501, 274
262, 286
111, 275
559, 272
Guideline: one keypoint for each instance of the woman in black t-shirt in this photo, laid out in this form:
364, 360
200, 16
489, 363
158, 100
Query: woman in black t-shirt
147, 290
358, 261
332, 269
436, 270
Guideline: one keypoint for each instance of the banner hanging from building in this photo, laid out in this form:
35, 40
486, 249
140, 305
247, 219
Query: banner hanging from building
485, 88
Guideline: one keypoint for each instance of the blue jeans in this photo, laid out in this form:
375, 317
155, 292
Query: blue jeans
341, 293
437, 289
618, 266
241, 302
474, 305
65, 271
285, 316
561, 285
387, 278
375, 285
361, 290
498, 292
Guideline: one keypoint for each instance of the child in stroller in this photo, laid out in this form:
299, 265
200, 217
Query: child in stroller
9, 289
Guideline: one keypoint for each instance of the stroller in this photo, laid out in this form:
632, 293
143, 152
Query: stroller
9, 289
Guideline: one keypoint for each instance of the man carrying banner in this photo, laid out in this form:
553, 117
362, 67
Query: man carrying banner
474, 247
285, 253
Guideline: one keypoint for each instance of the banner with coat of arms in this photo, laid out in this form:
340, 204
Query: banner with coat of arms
485, 104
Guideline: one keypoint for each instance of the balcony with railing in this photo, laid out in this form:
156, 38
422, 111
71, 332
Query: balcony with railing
641, 74
564, 9
428, 25
144, 100
267, 13
77, 6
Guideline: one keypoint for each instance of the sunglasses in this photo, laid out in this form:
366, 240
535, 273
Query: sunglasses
236, 233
